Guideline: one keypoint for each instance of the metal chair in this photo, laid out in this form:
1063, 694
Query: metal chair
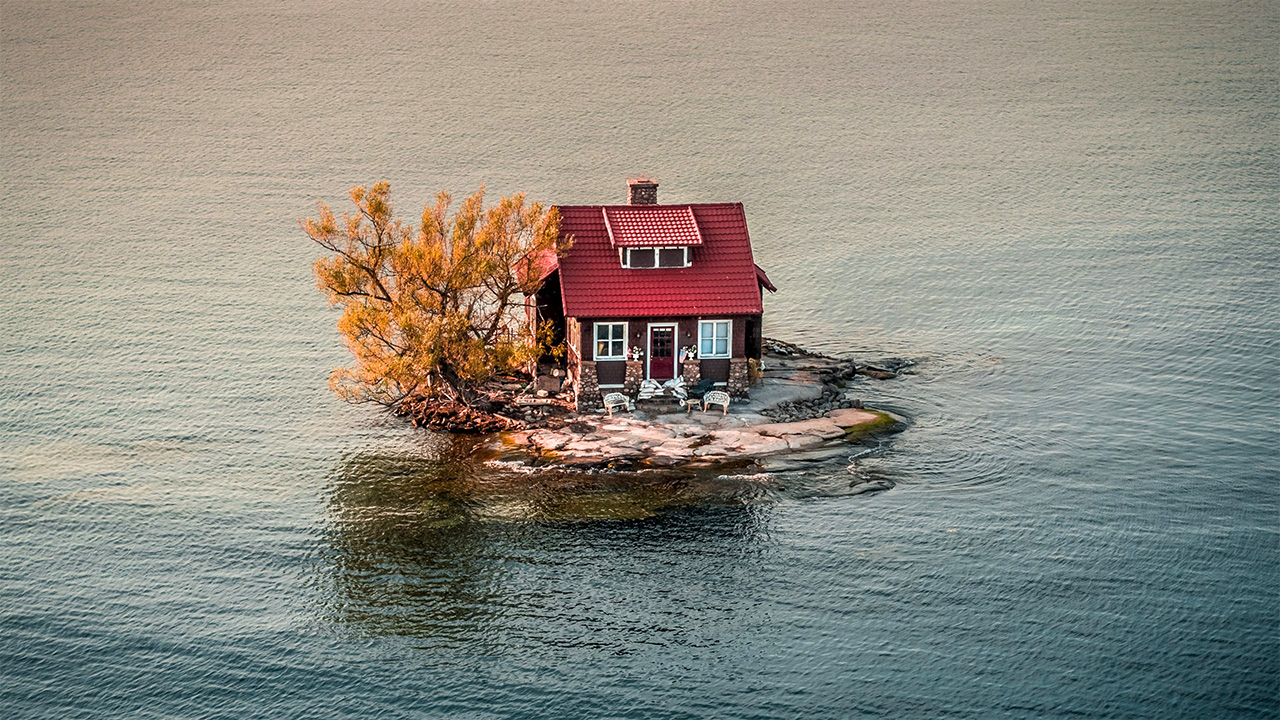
696, 392
716, 397
616, 400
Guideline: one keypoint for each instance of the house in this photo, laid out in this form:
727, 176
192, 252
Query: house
664, 279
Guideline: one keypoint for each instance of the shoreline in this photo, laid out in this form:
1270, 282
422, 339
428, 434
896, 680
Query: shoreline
799, 404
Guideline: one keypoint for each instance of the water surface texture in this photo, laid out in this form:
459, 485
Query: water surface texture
1065, 212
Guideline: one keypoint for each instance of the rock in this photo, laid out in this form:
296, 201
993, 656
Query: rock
823, 428
764, 445
664, 461
798, 441
851, 417
878, 373
548, 383
614, 453
548, 440
626, 441
674, 448
816, 410
655, 435
581, 446
736, 438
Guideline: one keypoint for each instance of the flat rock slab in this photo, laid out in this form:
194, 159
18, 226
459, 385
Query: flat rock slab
664, 435
824, 428
765, 445
797, 442
604, 439
852, 417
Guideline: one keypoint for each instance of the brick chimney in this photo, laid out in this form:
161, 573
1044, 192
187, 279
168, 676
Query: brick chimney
642, 191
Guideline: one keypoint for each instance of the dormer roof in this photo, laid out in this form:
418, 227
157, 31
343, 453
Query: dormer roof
651, 225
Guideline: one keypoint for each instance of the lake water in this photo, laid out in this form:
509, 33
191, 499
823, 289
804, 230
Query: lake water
1065, 212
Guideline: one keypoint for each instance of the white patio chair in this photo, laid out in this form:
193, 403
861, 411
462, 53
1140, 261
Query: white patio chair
616, 400
716, 397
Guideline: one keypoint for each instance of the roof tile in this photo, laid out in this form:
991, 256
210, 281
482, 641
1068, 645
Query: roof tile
721, 279
651, 225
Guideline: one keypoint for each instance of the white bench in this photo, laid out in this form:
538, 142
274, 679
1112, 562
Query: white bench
716, 397
616, 400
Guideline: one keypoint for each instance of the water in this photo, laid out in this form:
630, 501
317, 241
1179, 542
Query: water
1065, 212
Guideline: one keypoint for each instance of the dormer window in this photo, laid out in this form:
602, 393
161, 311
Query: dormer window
655, 257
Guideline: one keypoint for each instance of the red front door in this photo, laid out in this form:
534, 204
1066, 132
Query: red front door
662, 352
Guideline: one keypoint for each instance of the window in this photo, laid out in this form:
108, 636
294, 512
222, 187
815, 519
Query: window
647, 257
640, 257
671, 257
611, 341
713, 338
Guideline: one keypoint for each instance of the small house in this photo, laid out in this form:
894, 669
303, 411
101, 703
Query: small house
652, 291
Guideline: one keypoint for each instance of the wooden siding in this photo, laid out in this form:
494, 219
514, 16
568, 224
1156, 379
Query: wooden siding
613, 372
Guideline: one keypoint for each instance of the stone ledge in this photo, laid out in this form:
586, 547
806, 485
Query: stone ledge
605, 440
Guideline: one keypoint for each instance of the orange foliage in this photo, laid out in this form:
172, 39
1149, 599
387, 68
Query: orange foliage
431, 312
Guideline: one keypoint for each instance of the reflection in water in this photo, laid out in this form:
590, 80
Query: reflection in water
441, 542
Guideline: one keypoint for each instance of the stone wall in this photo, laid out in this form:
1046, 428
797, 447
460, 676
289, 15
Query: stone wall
691, 371
635, 375
587, 388
739, 379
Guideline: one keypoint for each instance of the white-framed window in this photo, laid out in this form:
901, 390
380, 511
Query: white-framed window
646, 258
611, 341
673, 257
639, 258
713, 338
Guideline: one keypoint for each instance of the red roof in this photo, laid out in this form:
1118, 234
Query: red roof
651, 225
760, 276
539, 265
721, 280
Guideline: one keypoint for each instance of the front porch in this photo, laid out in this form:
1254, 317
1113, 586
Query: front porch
590, 388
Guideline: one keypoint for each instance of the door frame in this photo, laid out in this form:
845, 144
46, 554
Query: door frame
648, 346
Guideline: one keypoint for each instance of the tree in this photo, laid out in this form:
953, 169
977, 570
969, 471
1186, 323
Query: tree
433, 312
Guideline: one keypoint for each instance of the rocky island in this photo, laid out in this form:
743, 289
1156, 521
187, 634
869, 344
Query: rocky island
801, 401
539, 323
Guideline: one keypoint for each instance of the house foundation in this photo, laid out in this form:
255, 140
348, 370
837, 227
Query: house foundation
587, 388
739, 378
635, 375
691, 371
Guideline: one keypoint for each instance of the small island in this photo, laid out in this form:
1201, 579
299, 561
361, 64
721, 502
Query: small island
579, 335
798, 402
